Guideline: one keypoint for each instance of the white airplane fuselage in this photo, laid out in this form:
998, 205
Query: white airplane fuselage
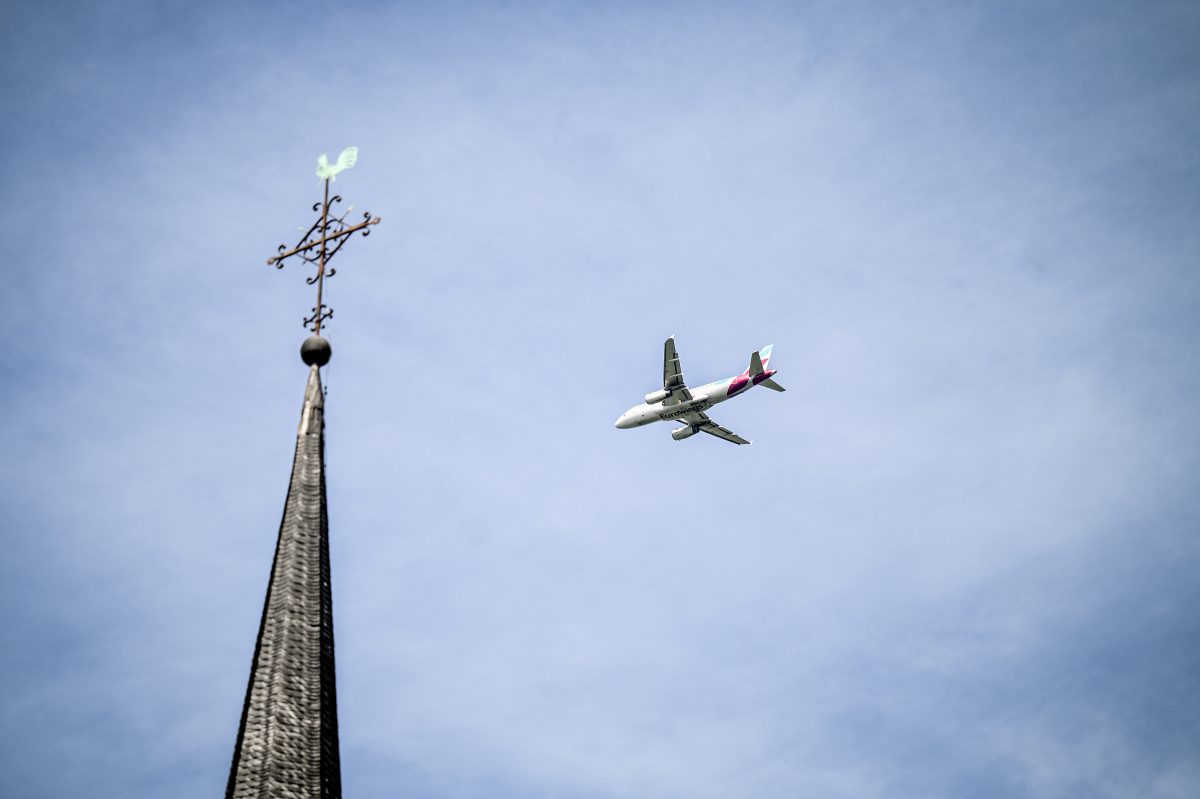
703, 397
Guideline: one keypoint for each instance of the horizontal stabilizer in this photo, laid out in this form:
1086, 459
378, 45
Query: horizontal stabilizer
771, 384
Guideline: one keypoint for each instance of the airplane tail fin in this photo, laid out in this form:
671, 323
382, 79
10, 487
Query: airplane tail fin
765, 355
759, 361
757, 370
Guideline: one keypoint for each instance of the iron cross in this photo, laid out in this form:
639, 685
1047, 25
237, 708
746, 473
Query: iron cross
326, 236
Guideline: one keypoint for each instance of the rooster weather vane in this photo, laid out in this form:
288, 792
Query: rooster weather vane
326, 236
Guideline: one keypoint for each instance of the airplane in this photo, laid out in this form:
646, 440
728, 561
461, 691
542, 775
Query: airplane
677, 403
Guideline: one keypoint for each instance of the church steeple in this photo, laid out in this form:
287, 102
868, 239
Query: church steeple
287, 742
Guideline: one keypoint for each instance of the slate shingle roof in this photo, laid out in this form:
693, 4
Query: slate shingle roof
287, 743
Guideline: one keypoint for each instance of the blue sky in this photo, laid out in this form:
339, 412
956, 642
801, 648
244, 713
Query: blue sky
959, 560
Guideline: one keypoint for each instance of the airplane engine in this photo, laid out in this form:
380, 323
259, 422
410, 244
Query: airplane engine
679, 434
657, 396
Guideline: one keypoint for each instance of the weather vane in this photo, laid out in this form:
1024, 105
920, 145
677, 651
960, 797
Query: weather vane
326, 236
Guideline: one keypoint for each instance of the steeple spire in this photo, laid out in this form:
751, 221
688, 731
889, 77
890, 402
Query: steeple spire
287, 743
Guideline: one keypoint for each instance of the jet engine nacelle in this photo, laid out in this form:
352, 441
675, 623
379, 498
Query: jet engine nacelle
681, 433
657, 396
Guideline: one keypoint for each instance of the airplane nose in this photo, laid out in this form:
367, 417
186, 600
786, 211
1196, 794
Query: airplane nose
622, 422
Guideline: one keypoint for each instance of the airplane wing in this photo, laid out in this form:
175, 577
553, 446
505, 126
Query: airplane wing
705, 425
673, 375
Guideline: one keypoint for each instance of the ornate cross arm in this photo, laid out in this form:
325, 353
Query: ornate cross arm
368, 220
318, 317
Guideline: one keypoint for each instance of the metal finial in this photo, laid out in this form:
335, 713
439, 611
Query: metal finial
326, 237
315, 351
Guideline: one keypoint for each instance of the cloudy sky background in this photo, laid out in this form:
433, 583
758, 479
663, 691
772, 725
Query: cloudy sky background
959, 560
